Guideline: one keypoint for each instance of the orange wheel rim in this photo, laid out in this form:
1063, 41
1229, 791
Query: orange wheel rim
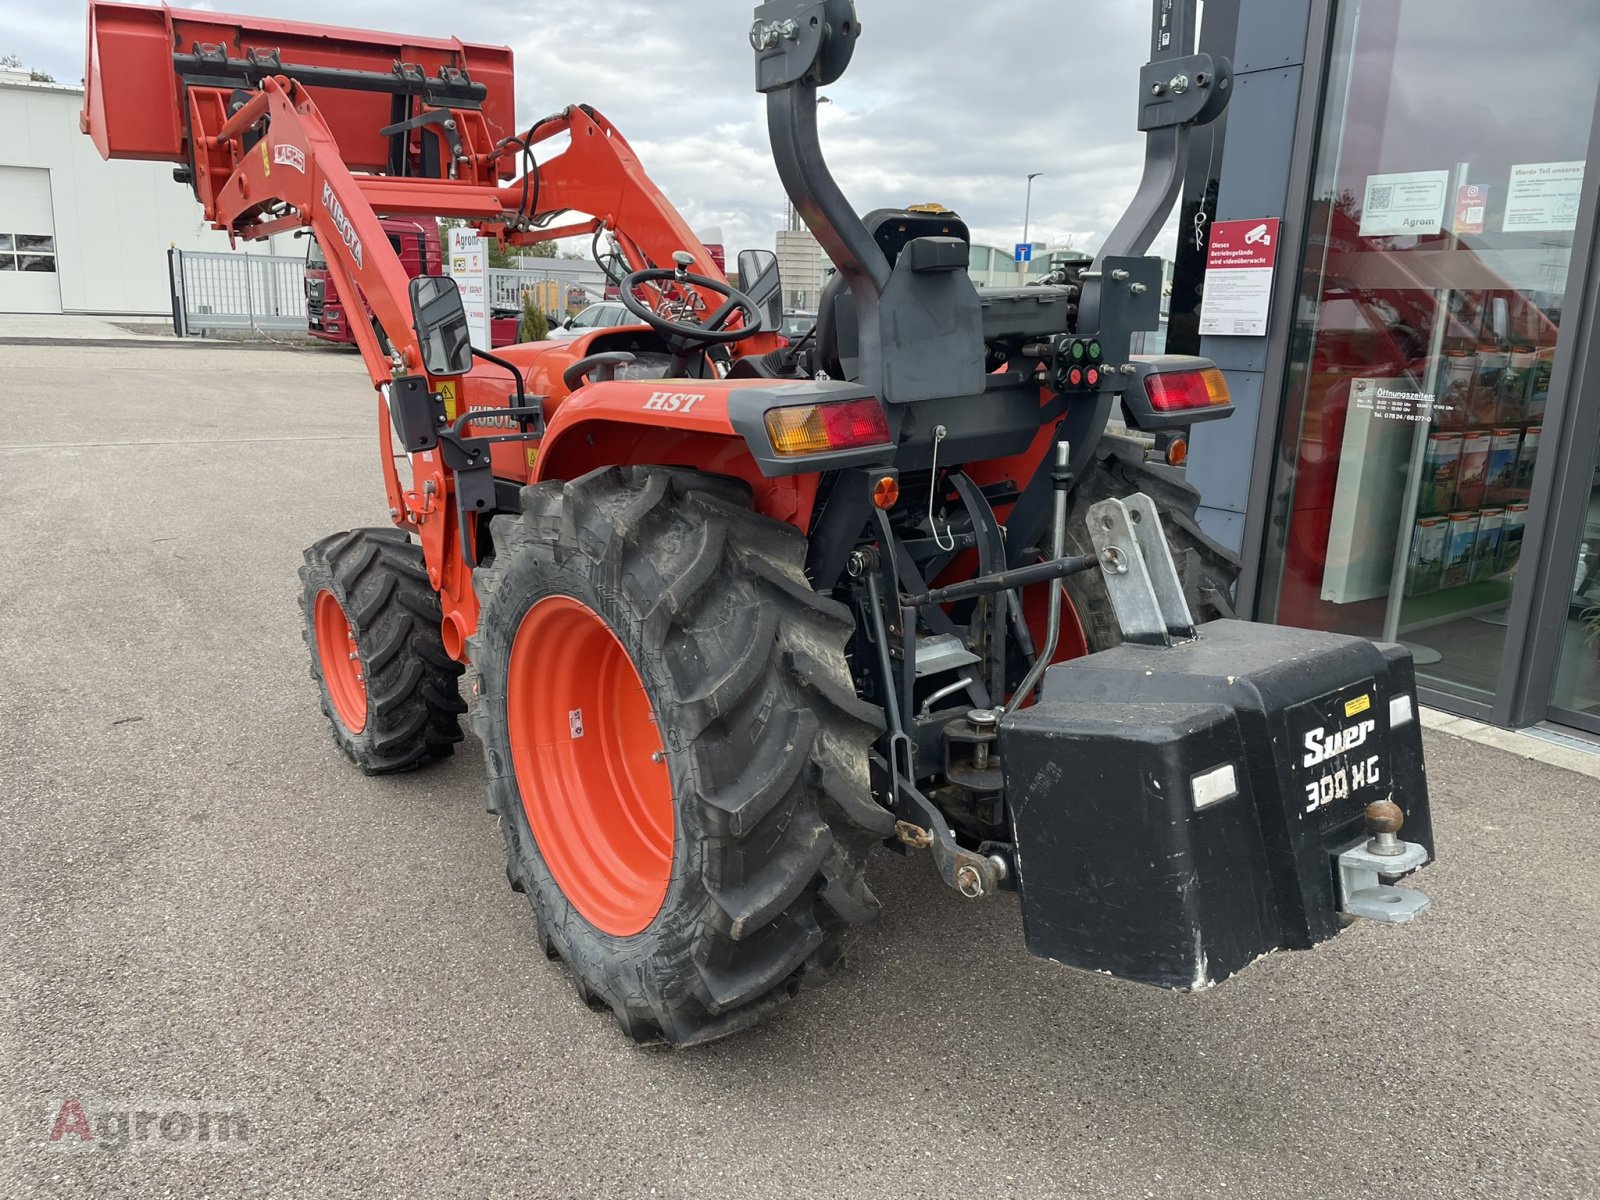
341, 662
589, 765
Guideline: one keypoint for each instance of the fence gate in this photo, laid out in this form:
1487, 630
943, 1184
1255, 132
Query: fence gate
236, 291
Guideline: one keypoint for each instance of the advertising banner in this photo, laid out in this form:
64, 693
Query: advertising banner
469, 266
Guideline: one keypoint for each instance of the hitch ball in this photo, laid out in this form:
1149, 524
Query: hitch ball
1384, 820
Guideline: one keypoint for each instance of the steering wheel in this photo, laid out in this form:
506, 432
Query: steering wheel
708, 333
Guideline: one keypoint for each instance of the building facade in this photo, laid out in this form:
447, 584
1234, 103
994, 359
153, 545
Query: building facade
78, 233
1421, 413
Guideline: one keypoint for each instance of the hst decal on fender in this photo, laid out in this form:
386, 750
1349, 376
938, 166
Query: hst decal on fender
672, 401
289, 156
341, 222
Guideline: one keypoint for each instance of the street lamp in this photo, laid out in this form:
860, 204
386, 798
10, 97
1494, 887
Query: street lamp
1027, 211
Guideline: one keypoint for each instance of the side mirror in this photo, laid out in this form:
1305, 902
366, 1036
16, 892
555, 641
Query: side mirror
758, 279
440, 320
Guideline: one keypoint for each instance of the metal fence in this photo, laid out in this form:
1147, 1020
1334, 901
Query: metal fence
554, 292
237, 291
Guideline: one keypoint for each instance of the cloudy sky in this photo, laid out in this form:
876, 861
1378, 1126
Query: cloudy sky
944, 101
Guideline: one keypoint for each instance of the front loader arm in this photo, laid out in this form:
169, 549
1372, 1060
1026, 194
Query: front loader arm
279, 125
293, 174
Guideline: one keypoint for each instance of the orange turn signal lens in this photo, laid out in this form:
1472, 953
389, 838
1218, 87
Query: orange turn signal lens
797, 430
819, 428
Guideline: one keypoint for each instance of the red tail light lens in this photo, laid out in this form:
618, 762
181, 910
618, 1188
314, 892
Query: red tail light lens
818, 428
1179, 390
855, 423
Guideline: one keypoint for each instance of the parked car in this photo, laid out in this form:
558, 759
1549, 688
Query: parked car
795, 324
604, 315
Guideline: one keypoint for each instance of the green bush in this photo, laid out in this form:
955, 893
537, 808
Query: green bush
534, 327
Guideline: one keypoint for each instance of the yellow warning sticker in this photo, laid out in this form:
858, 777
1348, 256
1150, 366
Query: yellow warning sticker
533, 457
447, 393
266, 161
1359, 705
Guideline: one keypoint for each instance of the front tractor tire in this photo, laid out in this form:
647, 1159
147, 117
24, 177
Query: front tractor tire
389, 689
674, 748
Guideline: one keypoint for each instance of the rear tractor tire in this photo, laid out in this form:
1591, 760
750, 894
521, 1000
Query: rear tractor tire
388, 688
674, 748
1207, 569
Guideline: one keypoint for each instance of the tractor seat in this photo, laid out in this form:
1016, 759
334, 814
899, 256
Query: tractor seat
838, 327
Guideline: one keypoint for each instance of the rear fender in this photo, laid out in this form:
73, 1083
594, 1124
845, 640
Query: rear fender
679, 423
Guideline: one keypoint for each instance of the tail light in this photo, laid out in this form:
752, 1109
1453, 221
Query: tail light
1176, 391
819, 428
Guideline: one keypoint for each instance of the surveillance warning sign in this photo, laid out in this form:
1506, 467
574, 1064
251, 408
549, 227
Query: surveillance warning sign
1239, 264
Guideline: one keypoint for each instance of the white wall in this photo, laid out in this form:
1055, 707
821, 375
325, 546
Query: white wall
113, 220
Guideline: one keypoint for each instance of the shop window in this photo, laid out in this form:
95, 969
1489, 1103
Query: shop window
1426, 326
27, 252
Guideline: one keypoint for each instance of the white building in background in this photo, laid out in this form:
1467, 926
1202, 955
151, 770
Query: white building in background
802, 266
78, 233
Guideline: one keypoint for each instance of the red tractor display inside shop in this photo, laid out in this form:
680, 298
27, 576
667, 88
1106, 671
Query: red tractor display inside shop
728, 613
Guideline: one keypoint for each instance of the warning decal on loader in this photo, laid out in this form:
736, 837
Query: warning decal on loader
447, 393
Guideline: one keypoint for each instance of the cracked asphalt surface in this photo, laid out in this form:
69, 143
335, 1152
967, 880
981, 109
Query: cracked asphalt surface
202, 904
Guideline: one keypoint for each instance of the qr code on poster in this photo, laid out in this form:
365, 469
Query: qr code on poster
1381, 198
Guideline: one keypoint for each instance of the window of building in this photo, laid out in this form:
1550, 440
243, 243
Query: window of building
27, 252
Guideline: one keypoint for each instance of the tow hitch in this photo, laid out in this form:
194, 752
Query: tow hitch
1364, 866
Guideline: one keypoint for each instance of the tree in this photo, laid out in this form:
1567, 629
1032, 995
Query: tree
15, 63
535, 327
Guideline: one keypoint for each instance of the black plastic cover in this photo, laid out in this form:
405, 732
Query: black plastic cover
1120, 872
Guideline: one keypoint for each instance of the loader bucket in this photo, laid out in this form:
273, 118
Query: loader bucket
137, 55
1181, 811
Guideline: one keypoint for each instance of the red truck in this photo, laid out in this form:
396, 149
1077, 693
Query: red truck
416, 242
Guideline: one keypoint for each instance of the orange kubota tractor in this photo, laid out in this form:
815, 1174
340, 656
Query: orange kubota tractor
731, 613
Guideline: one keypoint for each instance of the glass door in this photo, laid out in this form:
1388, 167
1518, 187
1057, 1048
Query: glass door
1445, 193
1575, 699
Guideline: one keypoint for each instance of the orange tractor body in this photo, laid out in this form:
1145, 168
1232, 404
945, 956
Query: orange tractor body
731, 610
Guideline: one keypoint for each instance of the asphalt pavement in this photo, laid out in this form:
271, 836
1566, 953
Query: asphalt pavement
205, 909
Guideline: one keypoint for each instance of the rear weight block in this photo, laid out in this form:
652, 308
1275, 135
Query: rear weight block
1180, 812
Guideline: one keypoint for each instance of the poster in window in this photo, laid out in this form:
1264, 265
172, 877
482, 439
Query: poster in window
1543, 197
1404, 202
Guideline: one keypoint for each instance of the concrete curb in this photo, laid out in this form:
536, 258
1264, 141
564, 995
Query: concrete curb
1523, 743
149, 343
